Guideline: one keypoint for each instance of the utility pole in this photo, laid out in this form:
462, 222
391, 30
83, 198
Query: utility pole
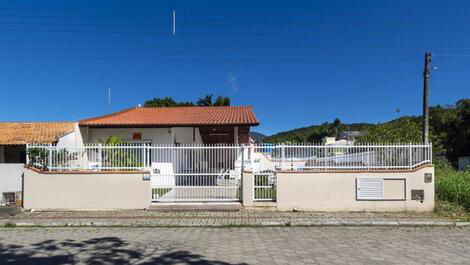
426, 75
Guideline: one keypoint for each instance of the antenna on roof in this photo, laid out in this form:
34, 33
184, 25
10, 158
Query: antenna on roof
109, 96
174, 22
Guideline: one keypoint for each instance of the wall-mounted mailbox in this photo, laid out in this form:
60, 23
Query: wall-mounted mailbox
427, 177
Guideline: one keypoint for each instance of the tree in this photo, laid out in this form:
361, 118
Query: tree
112, 158
333, 130
219, 101
161, 102
459, 133
170, 102
205, 101
402, 130
222, 101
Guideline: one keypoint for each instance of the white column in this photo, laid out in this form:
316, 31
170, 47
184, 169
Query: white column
172, 135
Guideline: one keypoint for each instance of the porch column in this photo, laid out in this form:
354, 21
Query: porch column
172, 135
235, 134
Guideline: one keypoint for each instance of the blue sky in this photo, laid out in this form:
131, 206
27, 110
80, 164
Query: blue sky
297, 62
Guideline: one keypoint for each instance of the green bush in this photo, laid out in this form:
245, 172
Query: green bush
453, 186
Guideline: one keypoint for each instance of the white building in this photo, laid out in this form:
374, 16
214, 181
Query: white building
13, 139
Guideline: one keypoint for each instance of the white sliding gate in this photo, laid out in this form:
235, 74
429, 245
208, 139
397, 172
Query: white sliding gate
196, 173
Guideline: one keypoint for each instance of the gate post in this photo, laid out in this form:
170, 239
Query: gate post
241, 172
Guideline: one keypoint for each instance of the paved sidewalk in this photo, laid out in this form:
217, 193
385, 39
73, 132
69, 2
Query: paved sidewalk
210, 218
226, 246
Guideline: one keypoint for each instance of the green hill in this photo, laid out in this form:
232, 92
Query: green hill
315, 133
449, 131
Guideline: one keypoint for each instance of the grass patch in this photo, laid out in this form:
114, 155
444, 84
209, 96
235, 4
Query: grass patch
9, 225
265, 193
159, 192
452, 191
451, 210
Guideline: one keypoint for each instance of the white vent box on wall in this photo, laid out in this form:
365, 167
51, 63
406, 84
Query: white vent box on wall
380, 189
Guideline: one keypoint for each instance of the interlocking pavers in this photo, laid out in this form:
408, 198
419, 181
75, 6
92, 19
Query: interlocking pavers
209, 218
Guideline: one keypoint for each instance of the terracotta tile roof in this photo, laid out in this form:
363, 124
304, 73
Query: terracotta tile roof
176, 116
33, 132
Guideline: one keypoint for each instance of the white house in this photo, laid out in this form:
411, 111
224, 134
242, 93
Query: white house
173, 125
13, 139
152, 126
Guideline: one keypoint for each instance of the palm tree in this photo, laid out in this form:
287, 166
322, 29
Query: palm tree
222, 101
205, 101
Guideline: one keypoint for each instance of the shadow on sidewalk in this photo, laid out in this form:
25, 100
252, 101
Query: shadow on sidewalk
96, 251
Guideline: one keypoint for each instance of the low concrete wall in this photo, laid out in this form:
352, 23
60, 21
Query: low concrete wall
337, 191
85, 191
10, 177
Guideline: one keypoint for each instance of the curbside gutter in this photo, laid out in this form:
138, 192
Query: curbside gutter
5, 223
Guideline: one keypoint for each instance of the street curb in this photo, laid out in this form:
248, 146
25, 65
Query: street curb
10, 224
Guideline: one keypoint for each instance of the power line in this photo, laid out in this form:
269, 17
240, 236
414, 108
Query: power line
451, 55
306, 60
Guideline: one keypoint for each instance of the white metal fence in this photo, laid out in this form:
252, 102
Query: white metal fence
220, 159
340, 157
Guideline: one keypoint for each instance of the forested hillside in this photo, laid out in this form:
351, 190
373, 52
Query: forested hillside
449, 130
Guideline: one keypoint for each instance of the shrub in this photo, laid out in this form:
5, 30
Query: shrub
453, 186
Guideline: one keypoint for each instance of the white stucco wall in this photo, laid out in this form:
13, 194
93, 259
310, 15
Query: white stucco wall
95, 191
337, 191
183, 135
155, 135
10, 177
68, 139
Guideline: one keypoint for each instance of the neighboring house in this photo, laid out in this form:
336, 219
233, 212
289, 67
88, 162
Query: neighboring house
173, 125
333, 141
349, 135
13, 139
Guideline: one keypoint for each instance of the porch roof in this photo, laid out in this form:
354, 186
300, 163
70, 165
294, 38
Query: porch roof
176, 116
18, 133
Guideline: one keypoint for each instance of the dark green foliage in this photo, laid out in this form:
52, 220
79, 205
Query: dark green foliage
452, 186
257, 137
402, 130
449, 131
170, 102
315, 133
39, 157
119, 157
219, 101
458, 131
161, 102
